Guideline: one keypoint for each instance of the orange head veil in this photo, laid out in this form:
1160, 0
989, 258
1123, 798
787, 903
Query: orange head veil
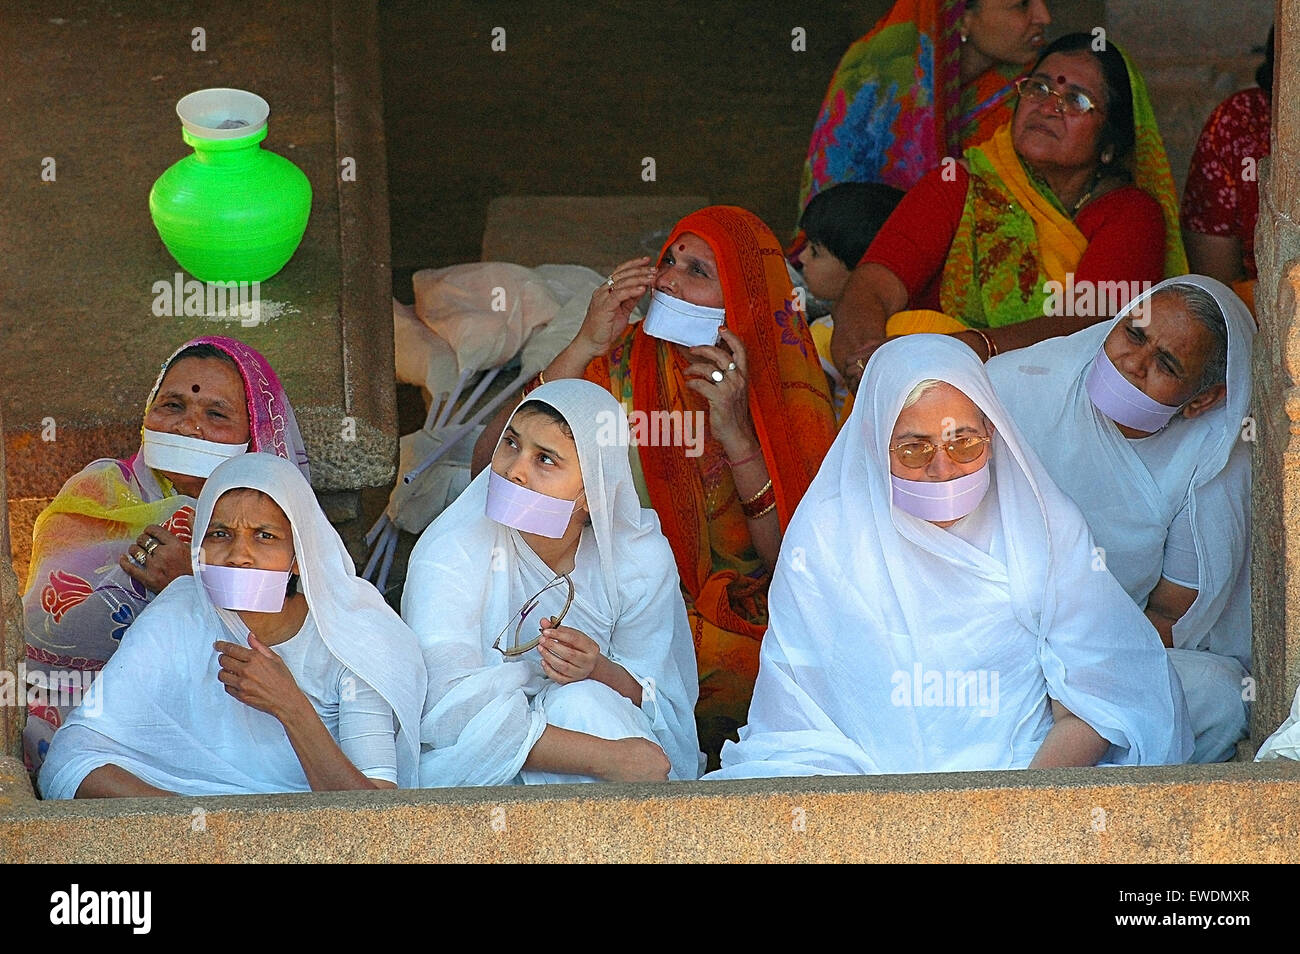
789, 399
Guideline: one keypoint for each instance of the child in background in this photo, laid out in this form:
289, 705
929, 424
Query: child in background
839, 224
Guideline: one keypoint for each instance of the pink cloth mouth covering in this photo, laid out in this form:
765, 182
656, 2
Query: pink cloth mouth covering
245, 588
1116, 397
525, 509
943, 499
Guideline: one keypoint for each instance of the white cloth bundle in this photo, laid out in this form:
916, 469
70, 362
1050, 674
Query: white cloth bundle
159, 711
481, 314
897, 646
469, 575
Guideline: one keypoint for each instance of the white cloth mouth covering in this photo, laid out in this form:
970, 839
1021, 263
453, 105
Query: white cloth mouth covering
244, 587
178, 454
680, 322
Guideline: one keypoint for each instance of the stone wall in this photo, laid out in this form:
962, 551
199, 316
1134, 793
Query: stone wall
1192, 54
12, 714
584, 92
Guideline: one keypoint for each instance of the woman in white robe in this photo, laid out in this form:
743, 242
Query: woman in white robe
899, 645
1136, 494
470, 574
179, 707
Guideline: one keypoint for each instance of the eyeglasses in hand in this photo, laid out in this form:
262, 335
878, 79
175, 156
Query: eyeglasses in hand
515, 648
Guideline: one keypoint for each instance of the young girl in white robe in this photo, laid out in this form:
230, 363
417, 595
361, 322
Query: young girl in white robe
179, 709
898, 645
492, 719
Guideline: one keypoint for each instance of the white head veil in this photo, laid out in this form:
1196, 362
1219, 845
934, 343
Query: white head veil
868, 601
463, 583
360, 630
1128, 511
158, 709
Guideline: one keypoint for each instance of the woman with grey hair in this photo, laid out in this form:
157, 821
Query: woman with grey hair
1144, 422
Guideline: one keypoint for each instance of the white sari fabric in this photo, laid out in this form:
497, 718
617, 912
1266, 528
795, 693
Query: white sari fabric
897, 646
469, 575
1285, 742
159, 711
1129, 506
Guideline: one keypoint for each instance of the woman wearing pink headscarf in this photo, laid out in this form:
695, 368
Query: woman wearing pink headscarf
119, 530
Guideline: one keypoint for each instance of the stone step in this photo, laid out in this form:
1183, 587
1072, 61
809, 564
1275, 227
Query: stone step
80, 330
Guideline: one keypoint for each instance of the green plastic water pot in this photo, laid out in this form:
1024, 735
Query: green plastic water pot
231, 211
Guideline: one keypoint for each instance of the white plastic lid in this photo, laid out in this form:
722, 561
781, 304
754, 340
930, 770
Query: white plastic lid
222, 113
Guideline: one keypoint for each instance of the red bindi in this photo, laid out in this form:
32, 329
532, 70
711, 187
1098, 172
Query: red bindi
681, 248
1060, 80
194, 388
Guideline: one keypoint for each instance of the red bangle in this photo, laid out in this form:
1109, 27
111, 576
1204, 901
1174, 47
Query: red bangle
760, 503
744, 460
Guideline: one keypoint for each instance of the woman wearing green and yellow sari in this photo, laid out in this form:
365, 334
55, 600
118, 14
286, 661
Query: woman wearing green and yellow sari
1066, 213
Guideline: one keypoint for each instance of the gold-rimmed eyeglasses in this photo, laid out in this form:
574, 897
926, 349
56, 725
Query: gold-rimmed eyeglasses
916, 454
1072, 102
518, 620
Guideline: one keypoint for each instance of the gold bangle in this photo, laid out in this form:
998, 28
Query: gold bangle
535, 382
988, 343
541, 376
766, 487
764, 512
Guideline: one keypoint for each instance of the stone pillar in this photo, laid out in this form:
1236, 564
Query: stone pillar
12, 717
1275, 572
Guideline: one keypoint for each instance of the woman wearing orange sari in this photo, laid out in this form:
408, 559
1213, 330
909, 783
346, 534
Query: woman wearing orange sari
731, 415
